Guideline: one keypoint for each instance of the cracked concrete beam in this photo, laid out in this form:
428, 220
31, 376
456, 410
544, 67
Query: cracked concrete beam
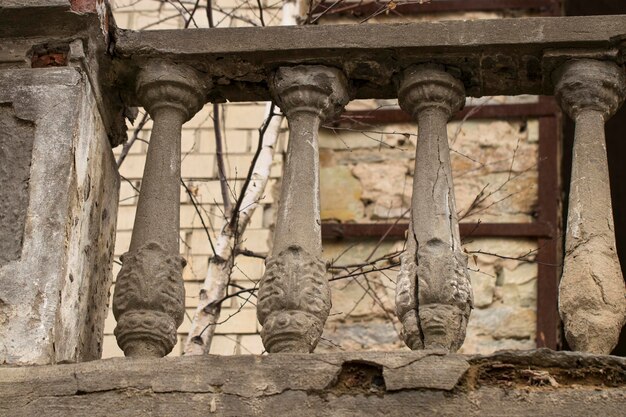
343, 384
492, 57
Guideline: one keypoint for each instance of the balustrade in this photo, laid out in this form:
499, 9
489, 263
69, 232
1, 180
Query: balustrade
311, 73
433, 296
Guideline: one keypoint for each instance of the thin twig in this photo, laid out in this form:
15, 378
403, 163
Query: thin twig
219, 155
131, 141
235, 212
204, 226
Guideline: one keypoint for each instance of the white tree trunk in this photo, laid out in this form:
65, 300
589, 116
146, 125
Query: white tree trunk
220, 266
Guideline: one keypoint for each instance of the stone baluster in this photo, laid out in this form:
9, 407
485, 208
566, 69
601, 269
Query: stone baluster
433, 294
149, 295
294, 296
592, 299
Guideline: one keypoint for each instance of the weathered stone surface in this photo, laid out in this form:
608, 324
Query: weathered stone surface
148, 296
340, 194
79, 31
294, 296
386, 188
592, 296
433, 295
348, 384
53, 299
493, 56
16, 148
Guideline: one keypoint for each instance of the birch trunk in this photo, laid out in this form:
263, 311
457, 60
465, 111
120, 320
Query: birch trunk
221, 264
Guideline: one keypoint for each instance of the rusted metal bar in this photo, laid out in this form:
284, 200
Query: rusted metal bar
546, 229
468, 230
549, 253
360, 8
545, 107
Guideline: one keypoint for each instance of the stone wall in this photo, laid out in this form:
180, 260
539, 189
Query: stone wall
59, 202
366, 177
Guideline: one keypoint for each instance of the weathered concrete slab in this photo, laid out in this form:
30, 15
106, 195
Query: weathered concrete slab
493, 57
76, 31
54, 287
428, 383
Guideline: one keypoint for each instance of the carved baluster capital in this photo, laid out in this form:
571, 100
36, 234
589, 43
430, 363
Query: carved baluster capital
587, 84
426, 87
161, 84
293, 301
314, 89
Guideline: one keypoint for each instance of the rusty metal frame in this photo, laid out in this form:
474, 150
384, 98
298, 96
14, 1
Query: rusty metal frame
361, 8
546, 228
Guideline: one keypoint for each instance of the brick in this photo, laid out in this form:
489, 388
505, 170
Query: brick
224, 345
208, 192
237, 166
256, 221
206, 140
189, 217
248, 268
198, 166
244, 115
197, 267
204, 118
235, 140
122, 242
192, 291
132, 167
257, 240
186, 326
125, 217
235, 321
190, 141
251, 345
128, 194
277, 166
110, 349
199, 243
109, 322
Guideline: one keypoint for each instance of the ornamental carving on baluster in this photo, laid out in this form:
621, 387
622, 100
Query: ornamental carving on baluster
294, 301
433, 292
592, 297
294, 295
149, 298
